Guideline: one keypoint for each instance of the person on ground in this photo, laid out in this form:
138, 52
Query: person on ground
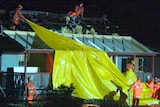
30, 91
156, 93
130, 65
137, 88
150, 85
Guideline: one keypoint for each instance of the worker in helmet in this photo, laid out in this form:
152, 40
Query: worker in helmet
17, 17
81, 10
156, 93
30, 91
150, 85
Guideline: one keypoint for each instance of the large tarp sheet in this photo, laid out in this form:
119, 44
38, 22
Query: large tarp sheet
91, 71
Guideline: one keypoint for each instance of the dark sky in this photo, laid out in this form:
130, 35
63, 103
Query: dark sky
138, 18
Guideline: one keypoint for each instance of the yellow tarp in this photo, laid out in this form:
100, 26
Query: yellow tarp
91, 71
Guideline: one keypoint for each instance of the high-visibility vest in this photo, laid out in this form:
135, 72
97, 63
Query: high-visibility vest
73, 14
156, 90
31, 89
151, 86
137, 89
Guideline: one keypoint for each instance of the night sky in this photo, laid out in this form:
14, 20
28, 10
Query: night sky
137, 18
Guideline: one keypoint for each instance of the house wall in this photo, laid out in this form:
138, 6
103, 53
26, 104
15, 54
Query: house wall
10, 60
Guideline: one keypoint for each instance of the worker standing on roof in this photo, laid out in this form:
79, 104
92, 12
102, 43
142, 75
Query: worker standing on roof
74, 13
78, 11
81, 10
17, 17
73, 16
137, 88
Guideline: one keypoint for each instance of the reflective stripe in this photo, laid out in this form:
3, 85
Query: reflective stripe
138, 85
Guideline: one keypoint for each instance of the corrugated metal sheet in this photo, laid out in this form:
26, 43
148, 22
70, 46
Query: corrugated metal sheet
108, 43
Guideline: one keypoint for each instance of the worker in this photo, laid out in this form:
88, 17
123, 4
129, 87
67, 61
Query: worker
130, 65
30, 91
72, 13
150, 85
75, 12
17, 17
81, 10
157, 89
137, 88
130, 75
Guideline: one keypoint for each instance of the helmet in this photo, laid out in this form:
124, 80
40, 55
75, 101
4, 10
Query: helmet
20, 6
81, 4
29, 78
